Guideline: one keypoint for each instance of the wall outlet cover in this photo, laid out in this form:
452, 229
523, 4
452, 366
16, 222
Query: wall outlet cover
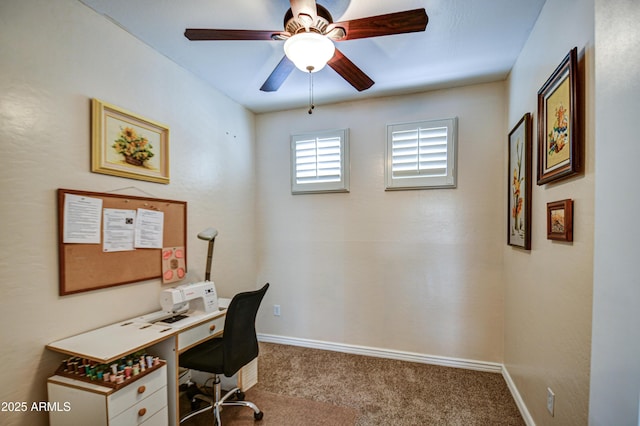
551, 400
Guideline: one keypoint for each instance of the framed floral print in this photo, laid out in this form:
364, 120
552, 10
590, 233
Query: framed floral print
128, 145
519, 194
560, 220
558, 127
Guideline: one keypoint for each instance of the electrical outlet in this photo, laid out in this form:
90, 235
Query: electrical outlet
276, 310
551, 400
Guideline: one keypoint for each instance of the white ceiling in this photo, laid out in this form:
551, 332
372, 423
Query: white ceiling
466, 41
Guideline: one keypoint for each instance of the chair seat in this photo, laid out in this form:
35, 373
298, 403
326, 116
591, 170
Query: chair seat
207, 356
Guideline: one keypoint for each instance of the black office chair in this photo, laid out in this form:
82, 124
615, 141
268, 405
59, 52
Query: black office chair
228, 354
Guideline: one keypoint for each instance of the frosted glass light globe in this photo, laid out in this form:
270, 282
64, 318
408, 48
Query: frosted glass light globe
309, 51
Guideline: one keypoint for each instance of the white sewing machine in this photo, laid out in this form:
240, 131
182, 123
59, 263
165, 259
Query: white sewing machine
201, 296
179, 302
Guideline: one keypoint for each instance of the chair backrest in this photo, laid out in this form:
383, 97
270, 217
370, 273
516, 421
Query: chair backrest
240, 343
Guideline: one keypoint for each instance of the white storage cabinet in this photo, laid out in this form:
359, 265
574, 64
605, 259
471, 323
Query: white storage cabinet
141, 402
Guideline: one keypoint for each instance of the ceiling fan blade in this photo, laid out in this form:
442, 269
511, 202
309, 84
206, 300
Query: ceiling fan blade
408, 21
213, 34
350, 72
278, 75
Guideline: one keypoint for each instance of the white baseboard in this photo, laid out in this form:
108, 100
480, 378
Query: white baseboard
492, 367
526, 416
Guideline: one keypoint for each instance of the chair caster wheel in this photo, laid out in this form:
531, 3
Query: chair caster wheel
258, 415
240, 395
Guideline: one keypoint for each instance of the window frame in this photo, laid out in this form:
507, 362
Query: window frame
449, 180
341, 185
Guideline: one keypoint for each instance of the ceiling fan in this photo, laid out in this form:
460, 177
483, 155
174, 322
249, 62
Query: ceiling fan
309, 34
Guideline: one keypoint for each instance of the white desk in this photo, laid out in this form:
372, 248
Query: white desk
110, 343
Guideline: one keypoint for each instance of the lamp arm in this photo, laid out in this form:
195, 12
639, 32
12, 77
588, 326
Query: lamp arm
207, 276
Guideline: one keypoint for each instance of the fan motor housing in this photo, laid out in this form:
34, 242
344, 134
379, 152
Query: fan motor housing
323, 18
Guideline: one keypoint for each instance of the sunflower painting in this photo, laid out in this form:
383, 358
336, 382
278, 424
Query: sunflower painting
127, 145
135, 148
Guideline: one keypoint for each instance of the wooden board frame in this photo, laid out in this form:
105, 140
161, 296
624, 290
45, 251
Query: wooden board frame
85, 267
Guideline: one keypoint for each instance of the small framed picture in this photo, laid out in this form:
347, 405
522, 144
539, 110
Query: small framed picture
558, 127
127, 145
519, 192
560, 220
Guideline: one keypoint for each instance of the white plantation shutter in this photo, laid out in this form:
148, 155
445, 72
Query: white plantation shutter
421, 155
319, 162
419, 152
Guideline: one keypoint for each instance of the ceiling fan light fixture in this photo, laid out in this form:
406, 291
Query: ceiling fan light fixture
309, 51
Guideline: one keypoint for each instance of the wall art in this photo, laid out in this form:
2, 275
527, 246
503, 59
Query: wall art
127, 145
519, 193
558, 127
560, 220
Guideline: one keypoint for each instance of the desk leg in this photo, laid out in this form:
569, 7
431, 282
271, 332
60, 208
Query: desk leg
167, 350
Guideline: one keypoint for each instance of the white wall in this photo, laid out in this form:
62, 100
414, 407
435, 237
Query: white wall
54, 57
549, 289
615, 363
417, 271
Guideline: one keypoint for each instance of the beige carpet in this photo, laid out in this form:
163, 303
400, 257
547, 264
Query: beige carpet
309, 387
280, 410
388, 392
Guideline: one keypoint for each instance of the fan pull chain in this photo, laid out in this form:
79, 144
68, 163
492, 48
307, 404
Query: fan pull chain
311, 105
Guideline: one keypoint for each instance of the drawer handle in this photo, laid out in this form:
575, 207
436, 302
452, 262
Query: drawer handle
141, 389
212, 327
142, 412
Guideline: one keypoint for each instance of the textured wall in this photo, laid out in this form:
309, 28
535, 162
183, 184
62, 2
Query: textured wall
615, 364
417, 271
549, 289
55, 56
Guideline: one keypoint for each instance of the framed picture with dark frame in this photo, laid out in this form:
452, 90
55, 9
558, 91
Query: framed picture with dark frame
558, 127
519, 193
560, 220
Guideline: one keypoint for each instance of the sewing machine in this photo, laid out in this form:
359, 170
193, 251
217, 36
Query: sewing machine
178, 302
201, 296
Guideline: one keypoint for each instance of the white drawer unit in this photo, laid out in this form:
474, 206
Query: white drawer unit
199, 333
141, 402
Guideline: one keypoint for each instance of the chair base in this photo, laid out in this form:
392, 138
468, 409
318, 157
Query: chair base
218, 402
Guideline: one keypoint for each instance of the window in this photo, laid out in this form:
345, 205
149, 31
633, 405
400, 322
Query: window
320, 162
421, 155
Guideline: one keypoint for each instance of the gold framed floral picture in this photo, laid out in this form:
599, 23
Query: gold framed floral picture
127, 145
519, 193
558, 143
560, 220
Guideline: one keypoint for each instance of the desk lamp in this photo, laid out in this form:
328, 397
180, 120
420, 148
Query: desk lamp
209, 234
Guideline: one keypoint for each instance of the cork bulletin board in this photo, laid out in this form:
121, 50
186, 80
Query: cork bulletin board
89, 266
